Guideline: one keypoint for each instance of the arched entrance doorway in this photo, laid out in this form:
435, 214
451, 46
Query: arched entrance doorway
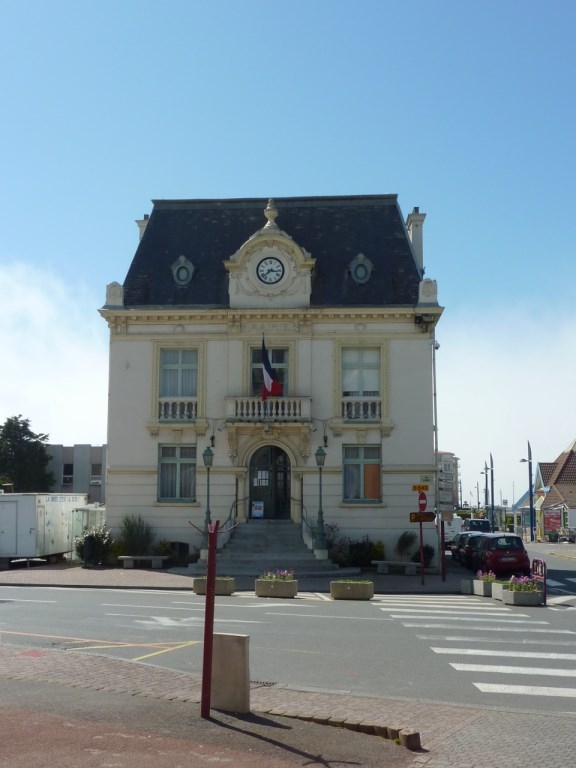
270, 484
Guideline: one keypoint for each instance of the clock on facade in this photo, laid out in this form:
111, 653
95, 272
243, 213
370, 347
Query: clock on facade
270, 270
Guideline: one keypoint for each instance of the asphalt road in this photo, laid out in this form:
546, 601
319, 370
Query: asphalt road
444, 648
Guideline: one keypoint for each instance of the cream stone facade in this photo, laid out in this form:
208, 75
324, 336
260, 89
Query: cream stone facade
186, 331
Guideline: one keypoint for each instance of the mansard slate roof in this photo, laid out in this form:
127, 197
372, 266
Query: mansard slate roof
333, 230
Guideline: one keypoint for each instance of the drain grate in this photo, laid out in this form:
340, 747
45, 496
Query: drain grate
263, 683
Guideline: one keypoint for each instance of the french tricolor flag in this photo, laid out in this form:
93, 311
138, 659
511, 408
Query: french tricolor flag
271, 387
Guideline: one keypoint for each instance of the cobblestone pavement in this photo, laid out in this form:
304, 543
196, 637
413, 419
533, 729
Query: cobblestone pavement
451, 736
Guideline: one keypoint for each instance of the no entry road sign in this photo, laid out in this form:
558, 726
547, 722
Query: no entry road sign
422, 502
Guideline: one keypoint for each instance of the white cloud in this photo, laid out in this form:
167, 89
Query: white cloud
505, 378
54, 355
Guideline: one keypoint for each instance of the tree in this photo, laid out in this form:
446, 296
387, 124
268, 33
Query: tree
24, 457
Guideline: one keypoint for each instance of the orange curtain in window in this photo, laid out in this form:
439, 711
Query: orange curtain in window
371, 481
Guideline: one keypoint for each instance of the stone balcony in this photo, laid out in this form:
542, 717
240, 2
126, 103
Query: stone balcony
274, 409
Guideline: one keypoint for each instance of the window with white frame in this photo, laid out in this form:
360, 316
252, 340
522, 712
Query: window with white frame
178, 373
361, 372
279, 362
362, 464
177, 473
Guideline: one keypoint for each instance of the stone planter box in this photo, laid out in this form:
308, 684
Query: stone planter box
466, 586
498, 589
513, 597
276, 588
351, 590
224, 586
482, 588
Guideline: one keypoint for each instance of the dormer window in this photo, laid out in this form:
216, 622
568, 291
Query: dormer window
182, 271
361, 269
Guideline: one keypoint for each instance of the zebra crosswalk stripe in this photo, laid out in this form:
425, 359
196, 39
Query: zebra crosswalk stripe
509, 670
512, 654
526, 690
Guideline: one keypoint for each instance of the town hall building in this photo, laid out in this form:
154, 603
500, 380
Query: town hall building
273, 359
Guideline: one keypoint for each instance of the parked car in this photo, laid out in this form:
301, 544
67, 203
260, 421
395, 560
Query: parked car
455, 545
502, 553
468, 545
477, 524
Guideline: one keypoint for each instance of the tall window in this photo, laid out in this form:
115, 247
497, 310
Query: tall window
177, 473
279, 362
178, 373
67, 474
361, 372
362, 473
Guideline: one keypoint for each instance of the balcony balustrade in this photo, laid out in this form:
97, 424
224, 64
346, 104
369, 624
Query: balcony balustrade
253, 409
182, 409
361, 409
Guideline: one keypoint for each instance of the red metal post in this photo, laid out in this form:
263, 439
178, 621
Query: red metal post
443, 551
209, 620
421, 555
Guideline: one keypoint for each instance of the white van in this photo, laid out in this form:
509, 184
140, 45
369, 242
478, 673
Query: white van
451, 528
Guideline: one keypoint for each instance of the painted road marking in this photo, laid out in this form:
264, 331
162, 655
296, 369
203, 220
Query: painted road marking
347, 618
527, 690
150, 607
168, 650
450, 612
513, 654
505, 670
487, 640
484, 628
167, 621
474, 618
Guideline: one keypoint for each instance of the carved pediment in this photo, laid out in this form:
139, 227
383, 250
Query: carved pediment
270, 269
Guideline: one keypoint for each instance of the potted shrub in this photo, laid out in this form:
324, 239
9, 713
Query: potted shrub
279, 583
225, 585
482, 584
344, 589
523, 590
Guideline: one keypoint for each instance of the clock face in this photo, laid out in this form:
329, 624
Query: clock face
270, 270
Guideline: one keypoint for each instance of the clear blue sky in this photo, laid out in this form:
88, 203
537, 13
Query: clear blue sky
463, 109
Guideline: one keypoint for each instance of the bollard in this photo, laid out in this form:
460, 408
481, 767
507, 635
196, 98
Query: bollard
230, 690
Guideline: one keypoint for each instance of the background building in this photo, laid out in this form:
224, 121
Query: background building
448, 481
79, 469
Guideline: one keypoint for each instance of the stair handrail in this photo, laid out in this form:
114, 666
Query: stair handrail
231, 522
307, 527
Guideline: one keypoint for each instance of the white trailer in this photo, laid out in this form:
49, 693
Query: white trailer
37, 524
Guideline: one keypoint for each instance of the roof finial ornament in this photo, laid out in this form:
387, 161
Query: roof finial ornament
271, 212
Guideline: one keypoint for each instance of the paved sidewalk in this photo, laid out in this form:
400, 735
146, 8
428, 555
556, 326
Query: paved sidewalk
115, 714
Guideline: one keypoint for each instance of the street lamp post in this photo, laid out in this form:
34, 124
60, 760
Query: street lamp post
485, 473
491, 493
208, 457
320, 534
530, 492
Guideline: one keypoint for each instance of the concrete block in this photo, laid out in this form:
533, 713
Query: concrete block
410, 739
230, 691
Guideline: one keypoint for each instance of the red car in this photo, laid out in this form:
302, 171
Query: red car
502, 553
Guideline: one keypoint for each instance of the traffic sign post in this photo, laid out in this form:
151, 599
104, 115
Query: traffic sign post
422, 517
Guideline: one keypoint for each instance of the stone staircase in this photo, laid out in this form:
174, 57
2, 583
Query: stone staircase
267, 545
